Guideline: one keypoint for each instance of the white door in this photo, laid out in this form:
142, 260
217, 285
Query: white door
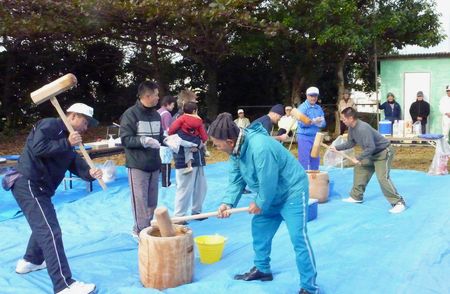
414, 82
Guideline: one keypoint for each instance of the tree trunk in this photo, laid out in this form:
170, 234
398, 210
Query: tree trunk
297, 85
212, 100
156, 65
6, 112
341, 87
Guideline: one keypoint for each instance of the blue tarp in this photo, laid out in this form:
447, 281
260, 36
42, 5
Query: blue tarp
359, 248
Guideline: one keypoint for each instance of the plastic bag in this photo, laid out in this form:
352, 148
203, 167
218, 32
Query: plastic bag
334, 159
173, 142
417, 128
440, 159
166, 155
109, 171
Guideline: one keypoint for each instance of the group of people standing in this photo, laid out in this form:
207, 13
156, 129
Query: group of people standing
257, 161
419, 110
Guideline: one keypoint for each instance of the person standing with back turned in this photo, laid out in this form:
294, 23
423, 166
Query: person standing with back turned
167, 105
141, 133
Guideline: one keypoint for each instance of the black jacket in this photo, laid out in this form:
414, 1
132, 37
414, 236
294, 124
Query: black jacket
48, 155
199, 156
136, 122
420, 108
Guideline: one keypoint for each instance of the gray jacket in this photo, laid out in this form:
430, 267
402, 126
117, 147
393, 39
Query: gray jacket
136, 122
365, 136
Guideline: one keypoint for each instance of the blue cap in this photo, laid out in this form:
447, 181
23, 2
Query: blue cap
279, 109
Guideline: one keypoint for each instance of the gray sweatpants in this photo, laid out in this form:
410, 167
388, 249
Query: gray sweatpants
144, 196
380, 164
190, 187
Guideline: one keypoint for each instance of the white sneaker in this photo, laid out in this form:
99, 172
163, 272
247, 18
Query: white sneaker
25, 267
351, 200
78, 288
398, 208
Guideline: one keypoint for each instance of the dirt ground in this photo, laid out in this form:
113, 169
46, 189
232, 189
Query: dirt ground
413, 157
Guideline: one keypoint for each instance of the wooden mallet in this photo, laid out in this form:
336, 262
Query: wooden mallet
162, 217
48, 92
164, 224
318, 141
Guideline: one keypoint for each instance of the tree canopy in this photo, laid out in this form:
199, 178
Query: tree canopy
234, 52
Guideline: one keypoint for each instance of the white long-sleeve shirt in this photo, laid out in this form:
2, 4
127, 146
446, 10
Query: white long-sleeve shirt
444, 107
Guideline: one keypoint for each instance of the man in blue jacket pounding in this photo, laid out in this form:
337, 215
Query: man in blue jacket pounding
281, 185
48, 154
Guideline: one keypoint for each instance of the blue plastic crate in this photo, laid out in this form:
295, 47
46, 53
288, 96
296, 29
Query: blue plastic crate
312, 209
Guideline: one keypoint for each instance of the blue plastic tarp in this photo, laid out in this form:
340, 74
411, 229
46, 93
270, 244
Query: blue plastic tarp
359, 248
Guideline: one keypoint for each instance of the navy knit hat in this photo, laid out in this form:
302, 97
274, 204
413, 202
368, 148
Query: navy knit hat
223, 127
279, 109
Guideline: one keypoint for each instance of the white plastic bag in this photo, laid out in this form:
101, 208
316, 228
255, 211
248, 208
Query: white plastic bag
334, 159
173, 142
440, 160
166, 155
417, 128
109, 171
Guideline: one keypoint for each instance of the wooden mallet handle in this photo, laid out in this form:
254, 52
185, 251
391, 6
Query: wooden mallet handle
69, 127
179, 219
48, 92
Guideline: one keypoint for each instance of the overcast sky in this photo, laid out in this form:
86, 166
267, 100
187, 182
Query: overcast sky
443, 7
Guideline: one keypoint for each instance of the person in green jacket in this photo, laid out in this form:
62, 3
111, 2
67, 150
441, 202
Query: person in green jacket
281, 187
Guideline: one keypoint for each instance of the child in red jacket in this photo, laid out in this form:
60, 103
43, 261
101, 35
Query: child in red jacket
189, 124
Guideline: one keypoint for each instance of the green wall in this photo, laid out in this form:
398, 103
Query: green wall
392, 80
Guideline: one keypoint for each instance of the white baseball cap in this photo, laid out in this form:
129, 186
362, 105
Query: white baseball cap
240, 110
312, 91
85, 110
447, 88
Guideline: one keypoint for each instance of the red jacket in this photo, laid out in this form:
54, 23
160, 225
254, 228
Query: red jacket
191, 125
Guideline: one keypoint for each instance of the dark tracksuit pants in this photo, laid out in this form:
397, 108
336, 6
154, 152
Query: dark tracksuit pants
165, 174
46, 238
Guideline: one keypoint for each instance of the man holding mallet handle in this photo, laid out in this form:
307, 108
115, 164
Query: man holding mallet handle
376, 158
281, 187
48, 154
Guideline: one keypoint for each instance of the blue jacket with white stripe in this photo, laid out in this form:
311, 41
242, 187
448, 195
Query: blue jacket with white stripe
48, 155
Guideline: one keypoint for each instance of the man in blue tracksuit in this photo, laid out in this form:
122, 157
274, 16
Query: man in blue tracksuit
48, 154
281, 185
306, 132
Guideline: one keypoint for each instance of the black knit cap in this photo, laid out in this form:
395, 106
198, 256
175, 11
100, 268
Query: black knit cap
223, 127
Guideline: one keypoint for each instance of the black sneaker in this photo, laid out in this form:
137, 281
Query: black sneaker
254, 274
303, 291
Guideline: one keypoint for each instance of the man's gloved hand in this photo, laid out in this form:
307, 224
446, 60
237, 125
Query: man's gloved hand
149, 142
318, 120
